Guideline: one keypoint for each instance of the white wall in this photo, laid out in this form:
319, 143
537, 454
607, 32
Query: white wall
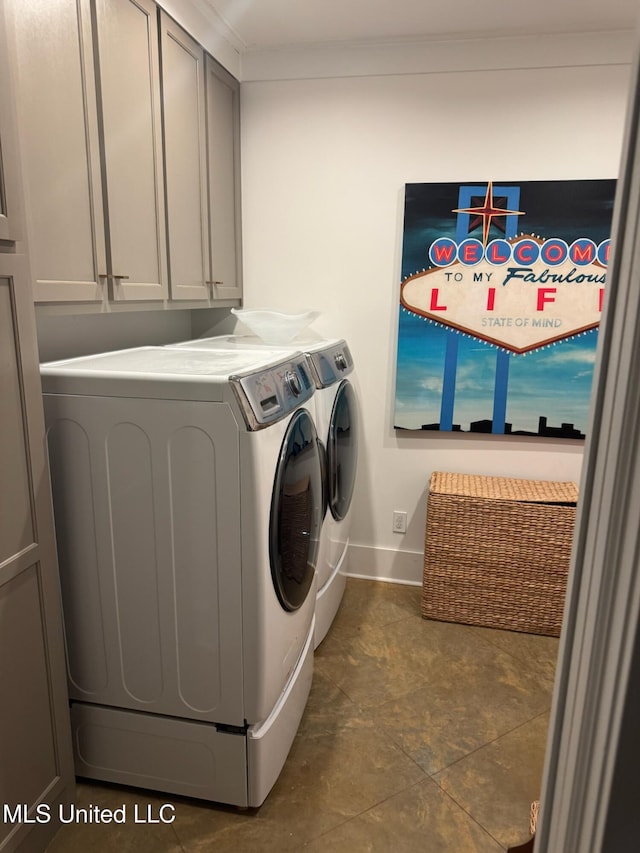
324, 167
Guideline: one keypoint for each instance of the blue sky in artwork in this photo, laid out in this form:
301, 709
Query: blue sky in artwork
554, 382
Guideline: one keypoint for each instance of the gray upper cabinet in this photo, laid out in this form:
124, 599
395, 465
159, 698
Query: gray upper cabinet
58, 128
129, 137
129, 75
90, 135
202, 162
223, 163
185, 161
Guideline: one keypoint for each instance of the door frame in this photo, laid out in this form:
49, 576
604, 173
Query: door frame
589, 779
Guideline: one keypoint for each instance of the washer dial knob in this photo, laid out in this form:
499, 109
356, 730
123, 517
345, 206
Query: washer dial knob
293, 383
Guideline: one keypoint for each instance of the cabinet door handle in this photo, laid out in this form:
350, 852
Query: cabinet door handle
120, 277
110, 275
214, 282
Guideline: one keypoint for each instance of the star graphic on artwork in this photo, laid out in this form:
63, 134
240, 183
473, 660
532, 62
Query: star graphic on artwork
486, 213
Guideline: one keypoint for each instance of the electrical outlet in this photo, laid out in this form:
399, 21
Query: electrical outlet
399, 521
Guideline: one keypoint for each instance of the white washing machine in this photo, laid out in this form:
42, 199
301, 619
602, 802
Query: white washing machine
337, 421
188, 497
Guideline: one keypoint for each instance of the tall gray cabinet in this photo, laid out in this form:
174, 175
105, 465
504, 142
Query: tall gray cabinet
36, 765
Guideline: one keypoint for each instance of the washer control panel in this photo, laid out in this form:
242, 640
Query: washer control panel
272, 393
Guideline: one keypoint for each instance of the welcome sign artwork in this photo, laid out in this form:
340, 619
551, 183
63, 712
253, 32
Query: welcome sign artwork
501, 296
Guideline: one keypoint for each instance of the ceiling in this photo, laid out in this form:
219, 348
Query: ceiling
270, 24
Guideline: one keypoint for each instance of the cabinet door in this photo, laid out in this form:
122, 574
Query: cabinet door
127, 35
58, 127
182, 61
223, 155
36, 764
9, 196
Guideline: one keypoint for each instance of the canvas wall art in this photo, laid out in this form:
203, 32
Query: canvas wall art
501, 295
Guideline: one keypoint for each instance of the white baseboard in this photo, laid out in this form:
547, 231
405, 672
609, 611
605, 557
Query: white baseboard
385, 564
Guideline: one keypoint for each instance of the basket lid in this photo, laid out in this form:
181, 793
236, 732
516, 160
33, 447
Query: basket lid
503, 488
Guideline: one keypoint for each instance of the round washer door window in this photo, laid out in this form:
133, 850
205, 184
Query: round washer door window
296, 512
342, 450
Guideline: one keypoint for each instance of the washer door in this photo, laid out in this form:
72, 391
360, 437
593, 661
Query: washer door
296, 512
342, 450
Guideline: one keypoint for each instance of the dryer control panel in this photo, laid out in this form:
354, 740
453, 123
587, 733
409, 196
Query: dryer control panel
270, 394
330, 365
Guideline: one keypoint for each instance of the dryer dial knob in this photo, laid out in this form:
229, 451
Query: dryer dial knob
341, 361
293, 383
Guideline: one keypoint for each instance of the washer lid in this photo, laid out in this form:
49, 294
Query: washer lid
295, 521
170, 373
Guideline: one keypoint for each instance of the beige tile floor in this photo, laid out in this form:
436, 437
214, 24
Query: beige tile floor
418, 736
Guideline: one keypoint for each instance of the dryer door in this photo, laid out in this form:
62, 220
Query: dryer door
342, 450
296, 512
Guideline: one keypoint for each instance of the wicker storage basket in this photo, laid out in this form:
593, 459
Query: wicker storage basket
497, 551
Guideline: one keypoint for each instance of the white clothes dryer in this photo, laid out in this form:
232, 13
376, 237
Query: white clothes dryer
337, 420
188, 498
